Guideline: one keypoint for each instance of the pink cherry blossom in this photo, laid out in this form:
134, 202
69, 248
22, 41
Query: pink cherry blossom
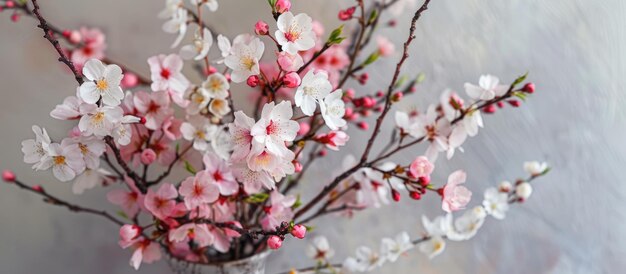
130, 201
161, 203
385, 47
279, 211
221, 175
289, 62
199, 233
171, 128
454, 195
166, 74
333, 140
275, 127
146, 251
94, 45
129, 235
421, 167
241, 136
154, 107
198, 190
148, 156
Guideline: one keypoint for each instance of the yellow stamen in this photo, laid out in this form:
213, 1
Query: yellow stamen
102, 84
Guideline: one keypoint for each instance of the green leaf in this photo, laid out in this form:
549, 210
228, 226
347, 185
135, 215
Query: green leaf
546, 171
420, 78
177, 148
373, 17
520, 95
520, 79
309, 228
190, 168
335, 36
257, 198
272, 3
122, 214
371, 58
298, 202
401, 81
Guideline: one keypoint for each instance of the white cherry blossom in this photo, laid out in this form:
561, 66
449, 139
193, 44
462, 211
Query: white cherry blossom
496, 203
36, 149
103, 82
99, 121
244, 58
65, 160
211, 4
275, 127
488, 88
295, 33
199, 130
333, 109
216, 85
393, 248
177, 24
240, 133
200, 46
314, 87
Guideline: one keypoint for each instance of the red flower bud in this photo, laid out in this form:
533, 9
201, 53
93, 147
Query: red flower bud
489, 109
253, 81
8, 176
514, 103
529, 88
415, 195
395, 195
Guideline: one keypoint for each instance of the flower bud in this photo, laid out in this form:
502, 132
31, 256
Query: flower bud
283, 6
304, 129
289, 62
505, 187
38, 188
274, 242
489, 109
148, 156
9, 4
396, 97
261, 28
15, 17
424, 181
129, 232
292, 80
75, 37
298, 231
395, 195
253, 81
297, 166
130, 80
529, 88
415, 195
8, 176
524, 190
363, 125
514, 103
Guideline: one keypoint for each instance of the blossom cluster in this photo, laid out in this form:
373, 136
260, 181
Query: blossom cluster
136, 135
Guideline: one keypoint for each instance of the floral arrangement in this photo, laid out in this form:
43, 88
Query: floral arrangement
237, 195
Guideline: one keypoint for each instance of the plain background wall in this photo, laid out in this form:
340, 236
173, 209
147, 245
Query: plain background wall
573, 49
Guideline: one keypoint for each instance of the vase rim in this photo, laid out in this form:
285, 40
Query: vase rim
260, 255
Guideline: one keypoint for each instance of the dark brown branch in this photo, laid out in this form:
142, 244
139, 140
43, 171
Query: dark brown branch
48, 34
120, 161
48, 198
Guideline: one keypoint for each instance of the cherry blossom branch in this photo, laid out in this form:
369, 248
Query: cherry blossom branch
50, 199
253, 233
120, 161
357, 47
48, 35
312, 268
363, 162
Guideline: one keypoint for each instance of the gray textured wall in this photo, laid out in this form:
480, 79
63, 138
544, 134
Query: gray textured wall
574, 50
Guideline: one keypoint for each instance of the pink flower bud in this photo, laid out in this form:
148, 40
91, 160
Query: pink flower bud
210, 70
363, 125
369, 102
424, 181
129, 232
415, 195
395, 195
489, 109
38, 188
304, 128
67, 33
346, 14
75, 37
514, 103
392, 23
274, 242
8, 176
349, 93
142, 120
10, 4
289, 62
283, 6
379, 108
148, 156
130, 80
74, 132
349, 112
363, 78
529, 88
261, 28
253, 81
380, 93
396, 97
298, 231
385, 47
500, 104
292, 80
322, 153
15, 17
